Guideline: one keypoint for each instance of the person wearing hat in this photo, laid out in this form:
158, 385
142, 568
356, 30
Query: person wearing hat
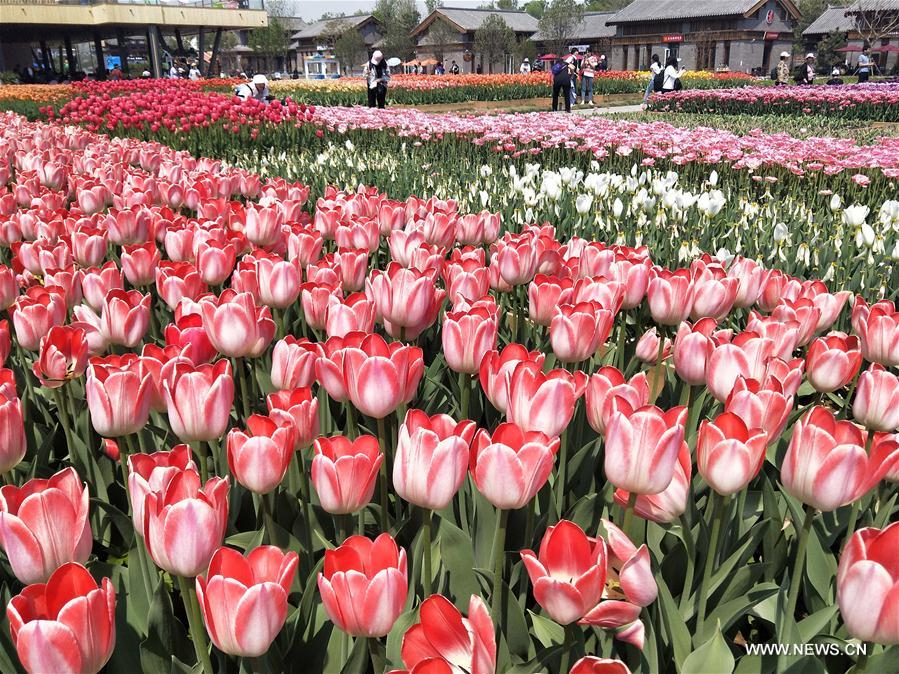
783, 70
377, 74
806, 71
864, 64
257, 88
194, 72
525, 66
835, 78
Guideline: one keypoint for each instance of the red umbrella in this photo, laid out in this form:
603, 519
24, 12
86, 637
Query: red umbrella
848, 49
548, 57
886, 49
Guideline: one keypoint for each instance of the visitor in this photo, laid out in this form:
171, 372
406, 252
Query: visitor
655, 78
573, 56
562, 71
439, 69
145, 75
864, 64
671, 79
525, 66
480, 69
194, 73
377, 74
835, 78
454, 68
116, 73
603, 64
588, 72
782, 78
805, 73
257, 89
173, 71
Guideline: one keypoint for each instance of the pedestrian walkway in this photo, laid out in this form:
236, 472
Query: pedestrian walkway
590, 112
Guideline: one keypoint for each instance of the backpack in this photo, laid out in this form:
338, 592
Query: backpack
678, 85
799, 73
559, 67
658, 80
773, 74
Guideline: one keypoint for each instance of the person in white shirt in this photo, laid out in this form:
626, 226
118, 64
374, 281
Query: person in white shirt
672, 75
525, 66
864, 65
589, 72
655, 67
194, 72
257, 88
173, 72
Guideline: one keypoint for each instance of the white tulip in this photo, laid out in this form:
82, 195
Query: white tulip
617, 208
781, 232
867, 234
895, 254
855, 215
583, 203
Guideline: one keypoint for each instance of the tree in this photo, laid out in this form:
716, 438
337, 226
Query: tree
560, 23
441, 34
875, 19
272, 40
826, 54
535, 8
605, 5
350, 49
507, 4
399, 17
526, 49
494, 39
811, 10
432, 5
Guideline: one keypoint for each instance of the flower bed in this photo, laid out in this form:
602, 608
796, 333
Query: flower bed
340, 427
879, 102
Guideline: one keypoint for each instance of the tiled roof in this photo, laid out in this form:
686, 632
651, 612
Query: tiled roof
471, 19
594, 27
314, 30
665, 10
832, 19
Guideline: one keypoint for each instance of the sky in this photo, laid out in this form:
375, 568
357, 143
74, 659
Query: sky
312, 9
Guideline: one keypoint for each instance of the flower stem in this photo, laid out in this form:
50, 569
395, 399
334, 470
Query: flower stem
194, 619
499, 544
861, 662
426, 533
627, 524
307, 504
464, 394
690, 548
799, 561
382, 438
377, 658
718, 509
563, 473
567, 647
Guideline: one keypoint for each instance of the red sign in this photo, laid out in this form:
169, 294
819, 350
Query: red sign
769, 17
673, 38
772, 36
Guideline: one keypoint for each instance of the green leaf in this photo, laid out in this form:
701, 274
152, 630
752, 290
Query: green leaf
546, 631
246, 540
395, 638
167, 638
458, 559
358, 658
729, 612
713, 657
810, 626
681, 642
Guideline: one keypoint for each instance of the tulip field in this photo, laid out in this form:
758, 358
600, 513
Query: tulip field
299, 388
876, 102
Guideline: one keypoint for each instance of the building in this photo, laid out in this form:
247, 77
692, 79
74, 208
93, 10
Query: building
860, 27
241, 57
595, 33
743, 35
311, 51
447, 34
58, 27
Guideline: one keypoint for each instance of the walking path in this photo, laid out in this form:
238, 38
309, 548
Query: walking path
590, 112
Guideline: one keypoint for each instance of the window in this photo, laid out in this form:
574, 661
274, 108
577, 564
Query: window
725, 59
624, 65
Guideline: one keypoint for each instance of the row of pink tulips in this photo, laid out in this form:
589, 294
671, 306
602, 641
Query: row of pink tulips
727, 332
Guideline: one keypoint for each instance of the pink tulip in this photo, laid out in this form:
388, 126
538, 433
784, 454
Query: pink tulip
63, 356
670, 296
750, 276
125, 317
693, 346
591, 664
344, 472
355, 313
496, 368
541, 401
670, 503
545, 295
315, 299
826, 465
244, 598
728, 453
631, 566
444, 642
185, 522
236, 327
118, 393
97, 283
832, 361
609, 392
293, 363
578, 330
177, 280
300, 408
139, 263
67, 625
35, 312
364, 585
199, 400
215, 261
642, 448
746, 356
569, 573
431, 458
259, 458
378, 376
867, 584
407, 300
877, 328
876, 403
761, 406
187, 332
279, 281
44, 524
510, 466
153, 472
468, 336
